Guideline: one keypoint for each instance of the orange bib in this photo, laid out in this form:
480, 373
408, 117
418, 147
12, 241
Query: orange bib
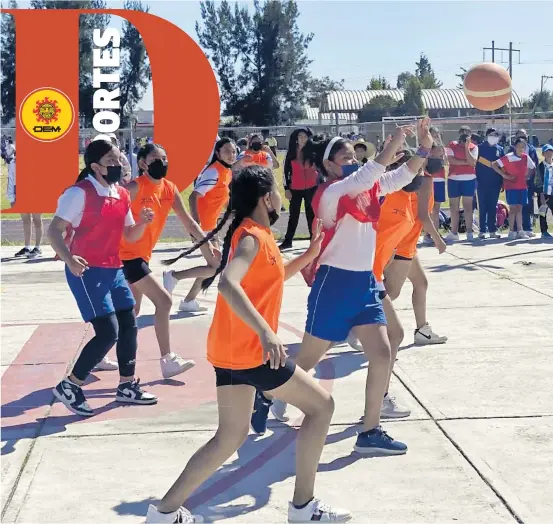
212, 204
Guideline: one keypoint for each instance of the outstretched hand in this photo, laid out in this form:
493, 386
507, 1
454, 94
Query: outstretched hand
423, 133
316, 239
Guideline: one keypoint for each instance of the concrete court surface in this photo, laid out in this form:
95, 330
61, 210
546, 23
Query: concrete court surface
480, 435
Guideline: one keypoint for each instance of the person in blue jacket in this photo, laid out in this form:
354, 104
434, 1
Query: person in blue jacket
528, 209
488, 183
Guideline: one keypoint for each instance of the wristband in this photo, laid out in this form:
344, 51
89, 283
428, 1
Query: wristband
423, 151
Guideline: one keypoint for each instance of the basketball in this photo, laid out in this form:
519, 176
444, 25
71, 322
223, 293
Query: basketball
487, 86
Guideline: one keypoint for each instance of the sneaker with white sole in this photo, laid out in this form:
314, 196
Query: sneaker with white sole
169, 281
25, 252
173, 364
522, 235
72, 397
452, 237
278, 409
192, 306
106, 365
132, 393
425, 335
391, 409
317, 511
495, 235
530, 234
377, 442
483, 236
181, 516
36, 252
512, 235
354, 342
470, 236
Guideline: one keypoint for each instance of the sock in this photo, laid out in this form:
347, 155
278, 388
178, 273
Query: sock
304, 505
28, 247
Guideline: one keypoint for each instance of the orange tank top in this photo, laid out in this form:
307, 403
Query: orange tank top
158, 197
395, 221
231, 343
216, 199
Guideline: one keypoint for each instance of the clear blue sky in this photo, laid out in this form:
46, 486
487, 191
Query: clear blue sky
355, 40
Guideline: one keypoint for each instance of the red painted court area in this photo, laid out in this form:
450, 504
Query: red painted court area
45, 359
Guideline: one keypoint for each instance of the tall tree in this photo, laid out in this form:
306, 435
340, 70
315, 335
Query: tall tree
412, 98
260, 58
403, 78
7, 61
378, 107
461, 75
135, 66
542, 101
378, 83
319, 87
425, 74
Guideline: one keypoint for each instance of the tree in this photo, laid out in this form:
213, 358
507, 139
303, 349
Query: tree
379, 106
403, 78
7, 60
260, 59
135, 66
425, 74
461, 75
319, 87
378, 83
542, 101
412, 98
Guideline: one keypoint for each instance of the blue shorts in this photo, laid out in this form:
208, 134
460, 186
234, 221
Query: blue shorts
461, 188
517, 197
100, 292
340, 300
439, 191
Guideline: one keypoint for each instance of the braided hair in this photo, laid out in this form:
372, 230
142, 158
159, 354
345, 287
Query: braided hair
250, 184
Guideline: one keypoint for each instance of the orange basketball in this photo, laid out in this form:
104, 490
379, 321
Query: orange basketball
487, 86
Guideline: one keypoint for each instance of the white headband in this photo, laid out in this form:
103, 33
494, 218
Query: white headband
330, 146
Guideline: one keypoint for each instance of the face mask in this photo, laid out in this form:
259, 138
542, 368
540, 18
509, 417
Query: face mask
225, 164
157, 169
273, 216
414, 185
434, 165
349, 169
255, 146
114, 174
463, 138
493, 140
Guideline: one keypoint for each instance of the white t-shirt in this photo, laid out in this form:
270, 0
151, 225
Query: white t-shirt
71, 203
460, 176
206, 181
10, 152
354, 243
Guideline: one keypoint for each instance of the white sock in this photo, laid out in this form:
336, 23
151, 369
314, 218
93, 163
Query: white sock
28, 247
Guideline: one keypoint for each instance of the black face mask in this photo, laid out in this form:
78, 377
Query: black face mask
434, 165
273, 216
223, 163
256, 146
414, 185
463, 138
157, 169
114, 174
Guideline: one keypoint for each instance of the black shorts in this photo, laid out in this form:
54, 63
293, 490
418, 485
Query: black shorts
135, 269
262, 378
399, 257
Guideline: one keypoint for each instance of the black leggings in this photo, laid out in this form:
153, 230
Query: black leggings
118, 327
543, 220
295, 209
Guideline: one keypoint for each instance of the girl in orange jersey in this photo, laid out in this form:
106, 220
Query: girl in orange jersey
207, 202
258, 154
153, 190
246, 353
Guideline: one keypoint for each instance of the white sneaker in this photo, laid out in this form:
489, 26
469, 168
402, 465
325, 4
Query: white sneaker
391, 409
470, 236
169, 281
317, 511
106, 365
512, 235
278, 409
495, 235
452, 237
181, 516
482, 236
353, 341
425, 335
173, 364
193, 306
530, 234
522, 235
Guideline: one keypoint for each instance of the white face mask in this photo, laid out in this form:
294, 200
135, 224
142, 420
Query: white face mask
493, 140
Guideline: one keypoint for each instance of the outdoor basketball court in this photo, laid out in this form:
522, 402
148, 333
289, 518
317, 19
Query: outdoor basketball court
480, 436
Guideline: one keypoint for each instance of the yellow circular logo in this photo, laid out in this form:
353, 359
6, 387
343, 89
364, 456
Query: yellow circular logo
47, 114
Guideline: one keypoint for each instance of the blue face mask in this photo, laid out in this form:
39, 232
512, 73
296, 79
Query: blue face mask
349, 169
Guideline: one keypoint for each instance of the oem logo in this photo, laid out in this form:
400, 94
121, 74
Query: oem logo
46, 114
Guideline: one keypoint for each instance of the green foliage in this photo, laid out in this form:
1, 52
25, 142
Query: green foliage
378, 83
319, 87
7, 64
378, 107
426, 75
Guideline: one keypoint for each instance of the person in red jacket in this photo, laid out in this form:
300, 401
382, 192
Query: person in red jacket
98, 211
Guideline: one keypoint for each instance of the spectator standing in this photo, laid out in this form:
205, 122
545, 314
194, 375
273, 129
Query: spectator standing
544, 186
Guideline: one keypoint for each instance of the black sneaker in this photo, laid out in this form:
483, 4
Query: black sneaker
23, 252
73, 398
35, 253
132, 393
260, 413
285, 245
